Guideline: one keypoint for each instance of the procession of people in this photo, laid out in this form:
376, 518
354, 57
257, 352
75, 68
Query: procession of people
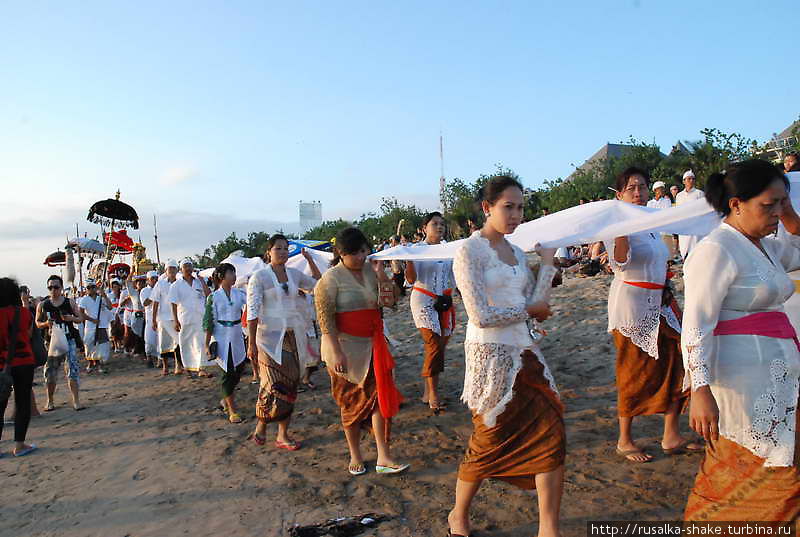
731, 358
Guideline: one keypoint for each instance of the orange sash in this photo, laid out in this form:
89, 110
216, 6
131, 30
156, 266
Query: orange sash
368, 323
676, 309
446, 318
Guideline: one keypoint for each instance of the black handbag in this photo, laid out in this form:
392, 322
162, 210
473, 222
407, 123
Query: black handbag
443, 303
6, 381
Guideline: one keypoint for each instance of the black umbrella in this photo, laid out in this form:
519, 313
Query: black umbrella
113, 214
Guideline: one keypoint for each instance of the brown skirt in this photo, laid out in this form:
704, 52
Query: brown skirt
434, 352
645, 385
356, 402
279, 382
733, 485
529, 436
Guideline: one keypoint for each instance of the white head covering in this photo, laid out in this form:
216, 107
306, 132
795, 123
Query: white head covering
152, 274
186, 261
90, 282
688, 173
172, 263
658, 184
115, 280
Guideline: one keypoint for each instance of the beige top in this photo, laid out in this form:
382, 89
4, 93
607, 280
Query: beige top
338, 291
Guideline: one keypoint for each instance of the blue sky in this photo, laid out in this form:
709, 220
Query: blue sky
221, 116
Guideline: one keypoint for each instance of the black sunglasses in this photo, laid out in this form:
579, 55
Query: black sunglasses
51, 287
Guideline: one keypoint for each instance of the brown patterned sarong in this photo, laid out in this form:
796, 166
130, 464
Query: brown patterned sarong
529, 436
733, 485
434, 352
117, 332
356, 402
278, 391
647, 386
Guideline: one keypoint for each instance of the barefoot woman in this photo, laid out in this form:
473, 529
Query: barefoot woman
518, 420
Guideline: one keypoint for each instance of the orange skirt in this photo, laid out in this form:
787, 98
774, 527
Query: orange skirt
434, 352
529, 436
356, 402
647, 386
733, 485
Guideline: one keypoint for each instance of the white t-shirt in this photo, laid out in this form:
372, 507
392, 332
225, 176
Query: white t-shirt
663, 203
160, 294
190, 299
144, 294
91, 306
684, 196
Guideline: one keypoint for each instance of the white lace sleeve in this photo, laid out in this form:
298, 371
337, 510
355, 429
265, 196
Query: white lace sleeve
255, 295
789, 246
469, 267
616, 266
708, 275
544, 283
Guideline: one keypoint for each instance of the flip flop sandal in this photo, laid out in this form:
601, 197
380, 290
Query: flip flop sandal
451, 534
258, 440
391, 469
626, 452
235, 418
26, 451
684, 448
357, 469
50, 407
291, 446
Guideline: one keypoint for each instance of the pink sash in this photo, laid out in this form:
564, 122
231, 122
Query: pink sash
769, 324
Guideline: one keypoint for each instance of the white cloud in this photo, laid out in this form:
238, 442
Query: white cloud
177, 175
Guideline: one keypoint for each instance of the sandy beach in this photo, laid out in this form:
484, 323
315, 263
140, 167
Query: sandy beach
155, 457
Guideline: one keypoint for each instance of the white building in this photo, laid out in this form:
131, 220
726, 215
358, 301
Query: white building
310, 215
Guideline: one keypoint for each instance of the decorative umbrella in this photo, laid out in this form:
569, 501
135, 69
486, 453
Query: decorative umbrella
56, 259
84, 246
119, 242
120, 270
113, 213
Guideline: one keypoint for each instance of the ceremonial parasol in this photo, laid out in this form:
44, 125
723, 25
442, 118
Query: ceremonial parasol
119, 240
82, 245
113, 213
56, 259
119, 269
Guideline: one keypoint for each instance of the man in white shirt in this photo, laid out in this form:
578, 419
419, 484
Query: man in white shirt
660, 199
689, 193
96, 310
150, 334
163, 322
188, 299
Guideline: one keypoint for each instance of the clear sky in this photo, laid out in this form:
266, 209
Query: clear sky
221, 116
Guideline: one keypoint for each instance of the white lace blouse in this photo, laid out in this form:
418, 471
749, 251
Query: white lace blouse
754, 379
495, 296
436, 277
635, 311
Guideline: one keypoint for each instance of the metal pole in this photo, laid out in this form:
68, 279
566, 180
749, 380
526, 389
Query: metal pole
155, 235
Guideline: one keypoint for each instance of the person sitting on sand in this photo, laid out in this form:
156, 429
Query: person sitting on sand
222, 322
517, 416
277, 339
432, 291
646, 333
349, 298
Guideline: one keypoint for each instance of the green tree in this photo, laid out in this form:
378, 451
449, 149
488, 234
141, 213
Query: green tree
327, 230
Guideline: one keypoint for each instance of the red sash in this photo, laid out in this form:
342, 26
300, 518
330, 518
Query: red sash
676, 309
448, 317
368, 323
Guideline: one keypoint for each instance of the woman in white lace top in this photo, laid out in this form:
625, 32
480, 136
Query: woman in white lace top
741, 351
642, 318
517, 416
432, 280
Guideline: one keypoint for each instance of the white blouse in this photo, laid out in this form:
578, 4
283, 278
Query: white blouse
754, 379
436, 277
495, 296
275, 306
635, 311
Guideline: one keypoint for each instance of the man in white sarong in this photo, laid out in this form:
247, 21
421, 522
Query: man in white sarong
97, 312
150, 334
689, 193
188, 299
163, 322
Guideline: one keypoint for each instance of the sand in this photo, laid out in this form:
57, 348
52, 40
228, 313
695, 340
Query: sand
154, 457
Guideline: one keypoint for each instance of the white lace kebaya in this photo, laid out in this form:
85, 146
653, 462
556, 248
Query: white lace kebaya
435, 276
754, 379
495, 296
635, 311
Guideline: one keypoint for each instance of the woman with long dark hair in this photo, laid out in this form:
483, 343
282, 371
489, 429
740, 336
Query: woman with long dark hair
349, 298
19, 320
